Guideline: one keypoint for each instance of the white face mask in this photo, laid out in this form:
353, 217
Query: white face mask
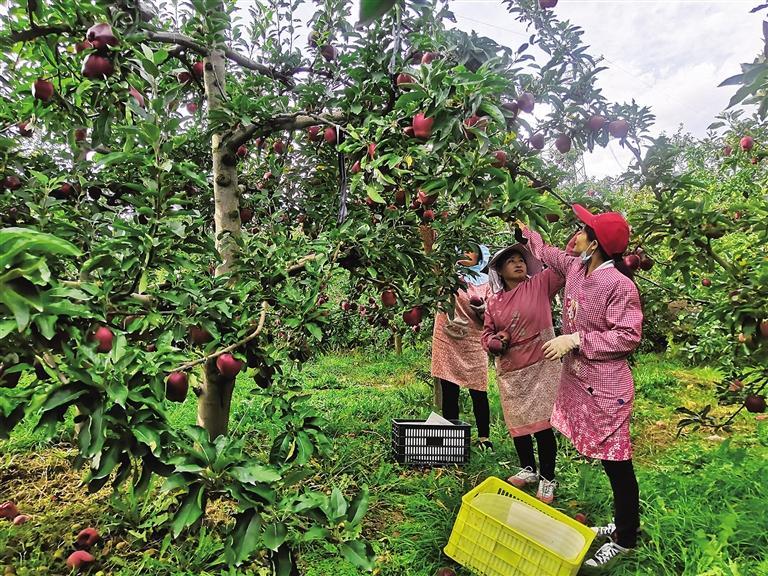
587, 257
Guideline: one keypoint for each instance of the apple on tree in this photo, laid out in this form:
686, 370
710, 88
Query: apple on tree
42, 90
228, 366
422, 126
176, 386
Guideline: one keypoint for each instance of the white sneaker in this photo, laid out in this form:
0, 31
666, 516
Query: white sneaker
606, 555
546, 491
604, 531
525, 477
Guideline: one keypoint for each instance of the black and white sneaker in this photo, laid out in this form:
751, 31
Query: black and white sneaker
604, 531
606, 556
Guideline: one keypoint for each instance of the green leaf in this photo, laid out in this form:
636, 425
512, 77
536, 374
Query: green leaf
274, 535
245, 537
358, 507
254, 474
189, 511
358, 553
314, 329
370, 10
337, 505
64, 395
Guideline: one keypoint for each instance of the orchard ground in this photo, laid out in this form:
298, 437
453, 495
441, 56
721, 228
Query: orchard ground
703, 495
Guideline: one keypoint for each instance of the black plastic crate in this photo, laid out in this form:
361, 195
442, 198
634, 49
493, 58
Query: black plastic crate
419, 444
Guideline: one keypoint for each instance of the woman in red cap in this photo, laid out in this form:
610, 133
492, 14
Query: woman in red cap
518, 318
602, 325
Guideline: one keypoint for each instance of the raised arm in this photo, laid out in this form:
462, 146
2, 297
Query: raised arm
557, 259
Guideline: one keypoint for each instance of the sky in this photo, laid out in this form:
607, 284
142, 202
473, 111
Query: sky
666, 54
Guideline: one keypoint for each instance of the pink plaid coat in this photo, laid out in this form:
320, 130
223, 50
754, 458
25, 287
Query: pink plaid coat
594, 403
463, 362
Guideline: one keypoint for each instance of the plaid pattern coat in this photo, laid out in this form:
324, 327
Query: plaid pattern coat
594, 403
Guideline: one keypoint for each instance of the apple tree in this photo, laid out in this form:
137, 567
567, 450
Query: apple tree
180, 182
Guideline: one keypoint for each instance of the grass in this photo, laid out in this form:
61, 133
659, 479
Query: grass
702, 496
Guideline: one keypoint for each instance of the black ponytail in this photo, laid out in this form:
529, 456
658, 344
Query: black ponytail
618, 259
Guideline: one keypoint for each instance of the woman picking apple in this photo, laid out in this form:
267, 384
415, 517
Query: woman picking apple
517, 320
458, 358
602, 325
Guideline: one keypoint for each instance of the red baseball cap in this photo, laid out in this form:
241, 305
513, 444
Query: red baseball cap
611, 229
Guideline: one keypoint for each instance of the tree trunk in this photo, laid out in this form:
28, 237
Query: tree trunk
398, 343
216, 398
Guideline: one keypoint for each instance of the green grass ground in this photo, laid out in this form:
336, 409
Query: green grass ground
703, 496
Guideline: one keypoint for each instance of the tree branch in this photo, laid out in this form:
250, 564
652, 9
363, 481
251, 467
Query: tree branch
295, 121
32, 33
244, 61
231, 347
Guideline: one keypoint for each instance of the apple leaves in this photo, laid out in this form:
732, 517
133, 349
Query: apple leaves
370, 10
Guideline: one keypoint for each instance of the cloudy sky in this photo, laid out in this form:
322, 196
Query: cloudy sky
667, 54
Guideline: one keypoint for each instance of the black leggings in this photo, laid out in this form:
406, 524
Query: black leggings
626, 501
479, 406
547, 444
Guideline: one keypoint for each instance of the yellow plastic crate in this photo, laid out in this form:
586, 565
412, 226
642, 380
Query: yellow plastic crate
502, 531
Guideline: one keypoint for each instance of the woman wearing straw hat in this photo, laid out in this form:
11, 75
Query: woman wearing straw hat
602, 325
458, 358
517, 320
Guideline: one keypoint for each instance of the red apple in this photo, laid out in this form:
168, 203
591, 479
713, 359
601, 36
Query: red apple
191, 107
596, 123
184, 77
618, 128
425, 199
313, 133
388, 298
552, 217
537, 141
495, 345
755, 403
24, 129
547, 4
476, 301
228, 366
512, 107
580, 517
632, 261
242, 151
345, 305
199, 335
246, 215
727, 151
81, 134
355, 167
138, 96
501, 159
176, 386
95, 66
86, 538
198, 68
21, 519
330, 135
646, 262
83, 46
42, 90
706, 282
428, 57
371, 150
526, 102
404, 79
79, 559
278, 146
8, 510
408, 131
329, 52
63, 192
104, 338
101, 36
412, 317
746, 143
428, 215
563, 143
11, 182
736, 386
422, 126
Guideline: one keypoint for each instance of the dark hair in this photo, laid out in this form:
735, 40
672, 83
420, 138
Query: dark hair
503, 260
618, 259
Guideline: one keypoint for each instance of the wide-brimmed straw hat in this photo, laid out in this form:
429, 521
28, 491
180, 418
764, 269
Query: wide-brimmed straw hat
532, 264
